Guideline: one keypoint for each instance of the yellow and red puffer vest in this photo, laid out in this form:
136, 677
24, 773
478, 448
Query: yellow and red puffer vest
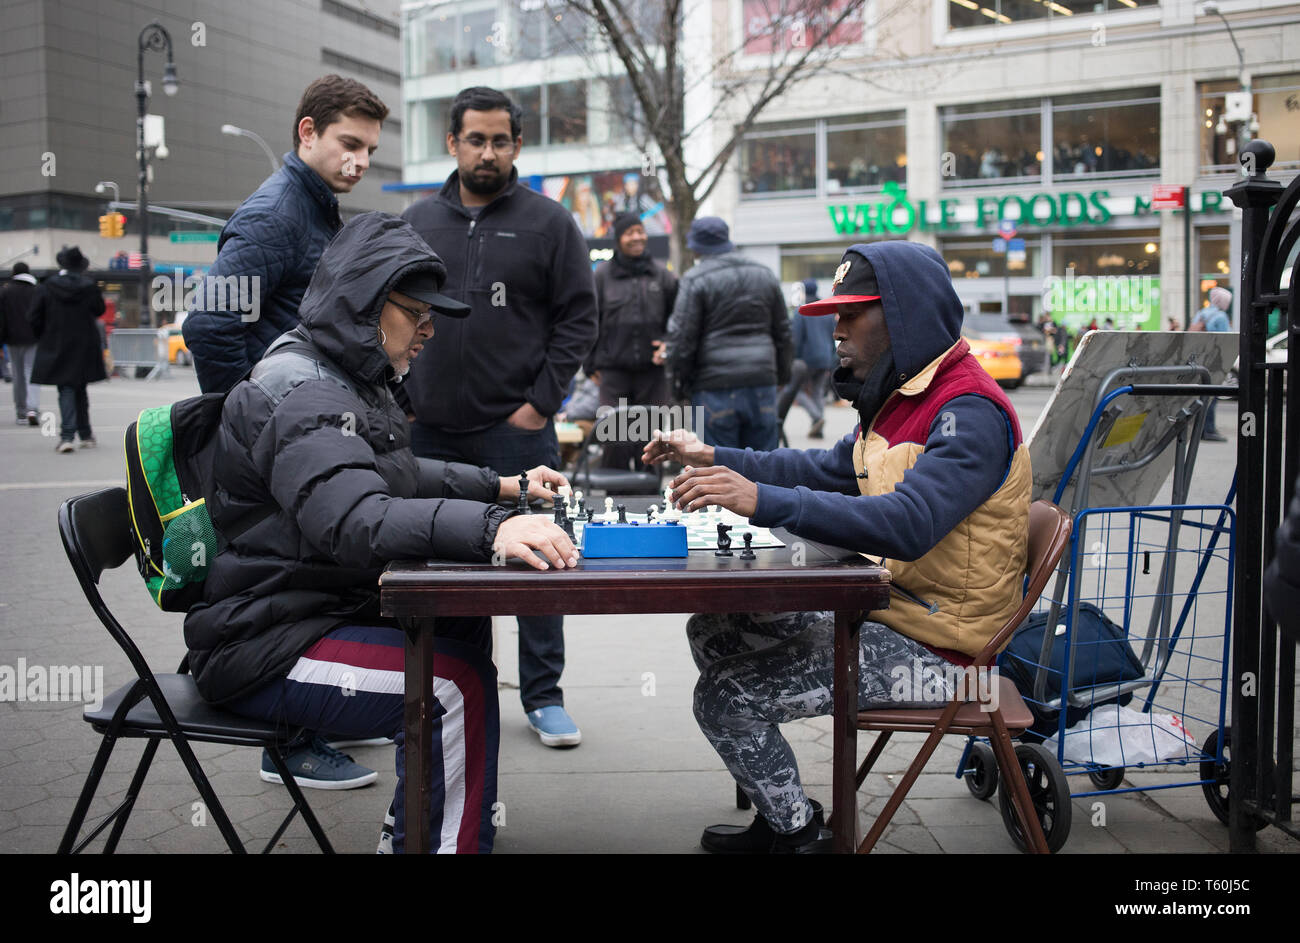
974, 574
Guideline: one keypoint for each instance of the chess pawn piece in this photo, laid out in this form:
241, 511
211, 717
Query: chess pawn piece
724, 541
748, 552
582, 516
578, 506
609, 510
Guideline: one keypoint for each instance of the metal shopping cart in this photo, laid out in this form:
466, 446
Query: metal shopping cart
1125, 663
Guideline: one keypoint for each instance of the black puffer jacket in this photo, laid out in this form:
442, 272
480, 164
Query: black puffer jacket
729, 328
634, 308
315, 434
70, 353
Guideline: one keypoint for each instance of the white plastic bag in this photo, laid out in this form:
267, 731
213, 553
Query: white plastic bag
1117, 736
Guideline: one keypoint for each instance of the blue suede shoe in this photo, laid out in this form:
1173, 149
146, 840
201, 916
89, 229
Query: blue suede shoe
554, 725
318, 766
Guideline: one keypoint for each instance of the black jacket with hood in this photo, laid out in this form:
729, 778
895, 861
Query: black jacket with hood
315, 435
70, 352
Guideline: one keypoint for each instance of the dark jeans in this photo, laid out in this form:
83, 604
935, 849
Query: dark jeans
740, 418
509, 451
1210, 426
74, 404
634, 388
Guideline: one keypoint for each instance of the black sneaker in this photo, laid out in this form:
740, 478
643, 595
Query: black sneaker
759, 838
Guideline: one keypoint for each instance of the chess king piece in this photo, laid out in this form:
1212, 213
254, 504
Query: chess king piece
724, 541
523, 493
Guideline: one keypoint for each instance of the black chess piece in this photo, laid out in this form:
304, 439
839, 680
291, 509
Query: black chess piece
582, 516
560, 514
622, 513
650, 516
523, 494
748, 552
724, 541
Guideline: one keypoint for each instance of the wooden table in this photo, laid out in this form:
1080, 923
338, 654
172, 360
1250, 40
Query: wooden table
800, 576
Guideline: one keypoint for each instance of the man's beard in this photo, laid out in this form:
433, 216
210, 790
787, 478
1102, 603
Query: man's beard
484, 185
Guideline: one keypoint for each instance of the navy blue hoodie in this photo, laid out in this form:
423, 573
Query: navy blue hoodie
814, 493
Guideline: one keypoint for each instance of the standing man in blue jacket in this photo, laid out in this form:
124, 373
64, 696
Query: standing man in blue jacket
265, 259
487, 392
274, 240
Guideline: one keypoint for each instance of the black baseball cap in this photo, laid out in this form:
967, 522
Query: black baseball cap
424, 286
855, 280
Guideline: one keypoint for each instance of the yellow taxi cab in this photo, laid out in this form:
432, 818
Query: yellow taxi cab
177, 352
1000, 360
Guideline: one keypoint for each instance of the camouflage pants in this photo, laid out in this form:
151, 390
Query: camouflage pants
759, 670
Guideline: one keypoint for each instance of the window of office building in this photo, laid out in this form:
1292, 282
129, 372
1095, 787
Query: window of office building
428, 124
1214, 261
529, 101
1274, 104
963, 14
566, 111
976, 258
780, 158
1130, 253
863, 152
991, 141
780, 26
1113, 133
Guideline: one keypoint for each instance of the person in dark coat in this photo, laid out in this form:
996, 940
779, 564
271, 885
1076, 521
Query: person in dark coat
814, 344
634, 298
69, 353
729, 344
289, 629
16, 334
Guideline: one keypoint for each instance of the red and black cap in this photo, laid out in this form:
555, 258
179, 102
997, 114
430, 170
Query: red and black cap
855, 280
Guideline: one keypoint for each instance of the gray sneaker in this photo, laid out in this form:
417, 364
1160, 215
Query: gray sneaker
386, 833
318, 766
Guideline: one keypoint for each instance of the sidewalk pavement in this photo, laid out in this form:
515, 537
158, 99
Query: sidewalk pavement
644, 779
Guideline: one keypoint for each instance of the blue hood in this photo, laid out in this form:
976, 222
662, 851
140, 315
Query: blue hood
922, 311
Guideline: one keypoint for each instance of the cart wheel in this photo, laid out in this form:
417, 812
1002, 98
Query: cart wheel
1107, 778
1216, 791
981, 772
1048, 790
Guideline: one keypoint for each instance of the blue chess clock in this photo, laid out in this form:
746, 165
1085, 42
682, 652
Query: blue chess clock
656, 539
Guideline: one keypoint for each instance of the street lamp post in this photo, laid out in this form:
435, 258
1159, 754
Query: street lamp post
1245, 127
244, 132
153, 38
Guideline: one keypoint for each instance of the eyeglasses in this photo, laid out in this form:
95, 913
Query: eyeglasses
421, 317
477, 142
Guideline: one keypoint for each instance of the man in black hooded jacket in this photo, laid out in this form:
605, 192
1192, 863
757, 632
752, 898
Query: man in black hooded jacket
290, 629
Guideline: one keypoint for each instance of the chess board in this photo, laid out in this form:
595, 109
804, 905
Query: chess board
702, 532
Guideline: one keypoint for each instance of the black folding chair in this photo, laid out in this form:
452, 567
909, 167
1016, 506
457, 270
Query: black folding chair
610, 426
96, 532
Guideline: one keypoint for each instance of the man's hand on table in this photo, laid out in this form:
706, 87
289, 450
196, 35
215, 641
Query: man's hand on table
521, 535
538, 479
679, 445
695, 488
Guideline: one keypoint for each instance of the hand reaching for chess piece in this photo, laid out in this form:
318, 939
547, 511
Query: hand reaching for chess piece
695, 488
538, 478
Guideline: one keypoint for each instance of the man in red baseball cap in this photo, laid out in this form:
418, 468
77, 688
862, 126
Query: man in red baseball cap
935, 481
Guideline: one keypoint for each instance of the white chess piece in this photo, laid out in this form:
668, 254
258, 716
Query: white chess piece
609, 510
654, 512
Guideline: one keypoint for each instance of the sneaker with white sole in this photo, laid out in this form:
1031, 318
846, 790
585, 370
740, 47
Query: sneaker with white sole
89, 443
65, 446
554, 725
386, 833
317, 766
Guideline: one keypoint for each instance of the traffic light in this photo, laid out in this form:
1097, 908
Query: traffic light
112, 225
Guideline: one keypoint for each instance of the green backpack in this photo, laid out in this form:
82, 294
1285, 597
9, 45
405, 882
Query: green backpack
169, 454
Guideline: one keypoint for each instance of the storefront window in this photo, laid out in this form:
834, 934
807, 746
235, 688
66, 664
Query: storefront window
976, 258
567, 113
1113, 133
779, 158
867, 152
819, 262
966, 13
1214, 264
1276, 104
992, 141
1133, 253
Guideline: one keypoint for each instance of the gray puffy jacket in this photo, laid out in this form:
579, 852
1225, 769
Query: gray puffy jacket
315, 437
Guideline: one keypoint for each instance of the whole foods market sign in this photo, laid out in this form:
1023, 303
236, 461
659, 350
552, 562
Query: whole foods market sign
892, 213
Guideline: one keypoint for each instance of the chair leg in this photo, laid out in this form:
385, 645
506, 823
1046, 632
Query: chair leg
132, 792
1005, 752
904, 787
206, 793
87, 794
299, 804
876, 749
742, 799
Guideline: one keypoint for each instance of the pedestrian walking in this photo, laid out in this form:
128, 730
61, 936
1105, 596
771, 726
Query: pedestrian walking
729, 345
69, 354
814, 344
16, 335
1213, 317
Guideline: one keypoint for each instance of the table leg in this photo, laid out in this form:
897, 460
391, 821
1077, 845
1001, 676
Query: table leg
844, 789
419, 728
